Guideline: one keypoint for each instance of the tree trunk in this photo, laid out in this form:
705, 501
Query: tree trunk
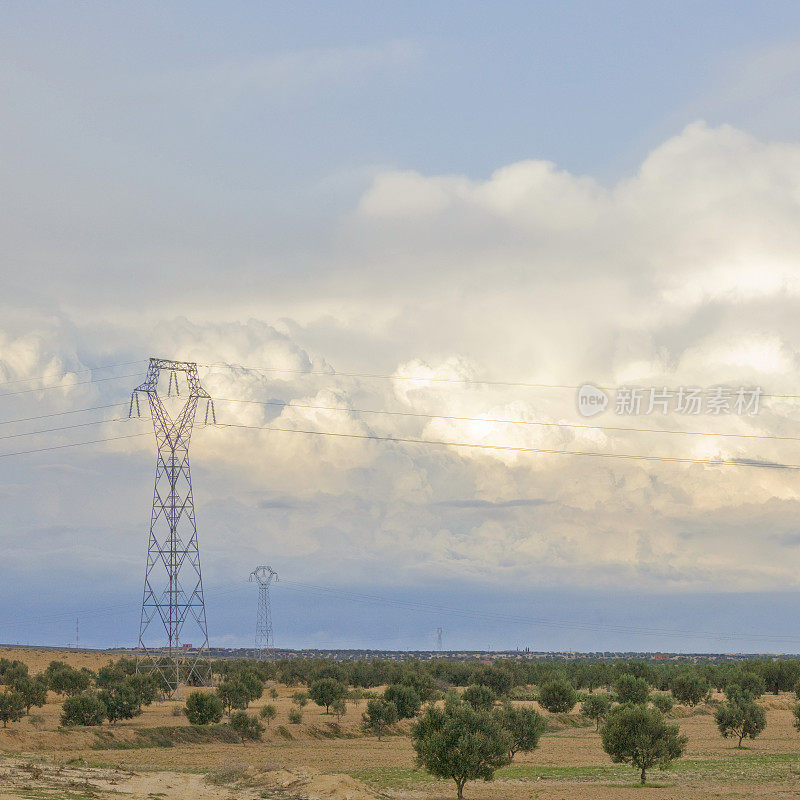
460, 789
643, 776
740, 742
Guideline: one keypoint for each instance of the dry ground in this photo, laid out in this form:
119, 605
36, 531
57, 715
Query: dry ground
143, 758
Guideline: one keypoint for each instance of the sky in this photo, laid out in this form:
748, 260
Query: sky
317, 203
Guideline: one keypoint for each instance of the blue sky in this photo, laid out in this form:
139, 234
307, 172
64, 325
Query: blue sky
532, 192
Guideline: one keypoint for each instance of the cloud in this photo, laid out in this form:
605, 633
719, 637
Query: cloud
682, 274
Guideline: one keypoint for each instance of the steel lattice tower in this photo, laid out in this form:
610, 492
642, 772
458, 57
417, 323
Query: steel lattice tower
264, 575
173, 582
439, 639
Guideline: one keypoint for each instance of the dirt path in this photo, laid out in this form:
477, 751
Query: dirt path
26, 778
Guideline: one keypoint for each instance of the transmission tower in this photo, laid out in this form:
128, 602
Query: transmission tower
264, 576
173, 608
439, 640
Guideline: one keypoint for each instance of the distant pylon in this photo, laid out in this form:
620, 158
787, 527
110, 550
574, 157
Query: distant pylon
173, 555
264, 576
439, 640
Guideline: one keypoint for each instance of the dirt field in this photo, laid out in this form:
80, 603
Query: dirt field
157, 755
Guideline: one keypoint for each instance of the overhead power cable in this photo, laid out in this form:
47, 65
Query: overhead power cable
432, 379
512, 449
67, 385
88, 370
73, 444
416, 414
62, 413
64, 428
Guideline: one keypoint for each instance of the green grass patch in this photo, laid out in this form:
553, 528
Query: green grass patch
392, 777
165, 736
737, 768
284, 732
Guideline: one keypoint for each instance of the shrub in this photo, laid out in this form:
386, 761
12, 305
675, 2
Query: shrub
300, 699
295, 716
460, 743
325, 690
203, 708
596, 707
83, 709
339, 706
663, 702
630, 689
558, 696
247, 726
380, 714
273, 693
640, 736
480, 697
405, 700
268, 713
12, 706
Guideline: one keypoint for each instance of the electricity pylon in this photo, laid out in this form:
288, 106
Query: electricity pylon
439, 640
173, 582
264, 576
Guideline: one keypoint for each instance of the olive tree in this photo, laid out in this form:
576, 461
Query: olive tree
740, 716
268, 713
525, 725
630, 689
203, 708
234, 695
83, 709
325, 690
380, 714
246, 726
596, 707
558, 696
121, 701
460, 743
32, 690
12, 706
640, 736
480, 697
690, 688
405, 699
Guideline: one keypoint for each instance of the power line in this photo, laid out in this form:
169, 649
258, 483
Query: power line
67, 385
416, 414
73, 444
431, 379
512, 449
433, 442
88, 370
61, 413
64, 428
